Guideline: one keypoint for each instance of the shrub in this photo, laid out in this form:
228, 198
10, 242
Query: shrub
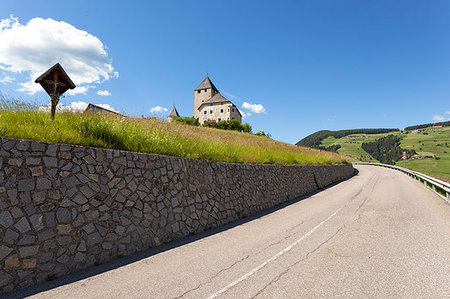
232, 125
187, 120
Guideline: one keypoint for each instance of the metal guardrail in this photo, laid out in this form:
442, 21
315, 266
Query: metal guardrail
433, 182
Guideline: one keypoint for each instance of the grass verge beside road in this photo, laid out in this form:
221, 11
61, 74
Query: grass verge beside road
157, 137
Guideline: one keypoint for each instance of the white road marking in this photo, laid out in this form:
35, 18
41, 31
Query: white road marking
276, 256
279, 254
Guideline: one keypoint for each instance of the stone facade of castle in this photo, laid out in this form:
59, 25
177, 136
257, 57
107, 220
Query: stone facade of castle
209, 104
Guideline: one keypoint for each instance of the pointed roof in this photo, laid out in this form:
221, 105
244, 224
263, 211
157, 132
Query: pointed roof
206, 83
99, 109
55, 73
217, 98
173, 112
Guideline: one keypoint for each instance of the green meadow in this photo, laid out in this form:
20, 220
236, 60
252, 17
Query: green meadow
434, 143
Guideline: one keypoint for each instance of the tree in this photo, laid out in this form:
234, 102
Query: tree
246, 128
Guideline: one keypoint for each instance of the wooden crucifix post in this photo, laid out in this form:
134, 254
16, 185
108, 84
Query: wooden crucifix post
54, 97
55, 82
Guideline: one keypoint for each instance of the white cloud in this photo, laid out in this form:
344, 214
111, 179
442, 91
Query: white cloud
6, 79
34, 47
244, 114
107, 106
158, 109
79, 106
447, 112
80, 90
103, 93
72, 107
439, 118
255, 108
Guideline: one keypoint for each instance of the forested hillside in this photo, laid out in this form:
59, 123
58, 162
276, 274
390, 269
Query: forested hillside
443, 124
431, 146
315, 139
387, 149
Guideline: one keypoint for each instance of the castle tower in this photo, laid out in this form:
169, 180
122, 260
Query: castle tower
202, 93
173, 113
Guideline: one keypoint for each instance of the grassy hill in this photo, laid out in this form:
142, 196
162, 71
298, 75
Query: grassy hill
157, 137
430, 142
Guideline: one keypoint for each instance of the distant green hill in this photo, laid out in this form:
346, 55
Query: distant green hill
442, 124
431, 146
315, 139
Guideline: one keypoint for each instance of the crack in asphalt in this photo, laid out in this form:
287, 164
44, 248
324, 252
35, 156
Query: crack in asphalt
212, 278
337, 254
363, 202
277, 278
273, 244
239, 261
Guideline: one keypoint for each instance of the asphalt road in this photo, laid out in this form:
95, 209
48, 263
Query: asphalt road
379, 234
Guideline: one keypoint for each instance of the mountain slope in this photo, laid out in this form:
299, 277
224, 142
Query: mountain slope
431, 144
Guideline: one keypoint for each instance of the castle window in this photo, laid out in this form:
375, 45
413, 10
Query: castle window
221, 110
232, 109
210, 104
232, 118
219, 119
210, 111
198, 91
205, 112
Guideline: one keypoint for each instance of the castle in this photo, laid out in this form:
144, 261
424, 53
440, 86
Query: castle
211, 105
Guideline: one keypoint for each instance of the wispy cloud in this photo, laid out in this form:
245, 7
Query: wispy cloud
255, 108
245, 114
158, 109
439, 118
6, 80
231, 96
103, 93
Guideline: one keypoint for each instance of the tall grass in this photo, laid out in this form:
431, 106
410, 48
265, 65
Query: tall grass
154, 136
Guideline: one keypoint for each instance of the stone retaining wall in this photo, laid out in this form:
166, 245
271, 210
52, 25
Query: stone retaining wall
63, 207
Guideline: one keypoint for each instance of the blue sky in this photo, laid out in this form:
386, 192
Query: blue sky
312, 65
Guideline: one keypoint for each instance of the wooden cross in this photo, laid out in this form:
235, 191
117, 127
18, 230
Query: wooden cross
55, 82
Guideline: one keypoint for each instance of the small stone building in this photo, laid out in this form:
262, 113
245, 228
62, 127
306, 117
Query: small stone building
210, 104
91, 108
173, 113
